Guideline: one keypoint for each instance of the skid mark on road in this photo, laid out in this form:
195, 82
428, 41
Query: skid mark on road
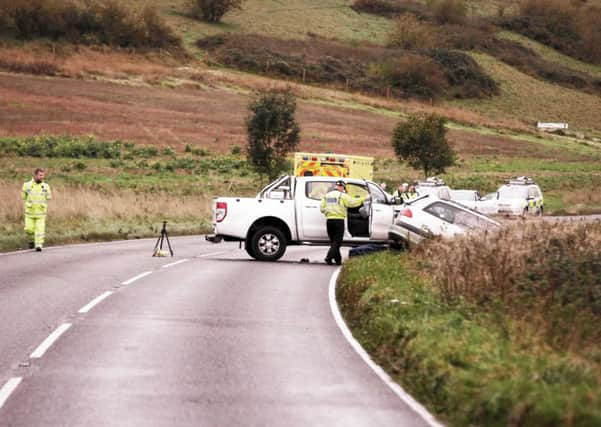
396, 389
210, 254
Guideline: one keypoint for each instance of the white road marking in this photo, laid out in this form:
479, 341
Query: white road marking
8, 388
47, 343
175, 263
133, 279
396, 388
210, 254
94, 302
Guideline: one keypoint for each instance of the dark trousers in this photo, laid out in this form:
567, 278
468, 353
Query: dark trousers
336, 234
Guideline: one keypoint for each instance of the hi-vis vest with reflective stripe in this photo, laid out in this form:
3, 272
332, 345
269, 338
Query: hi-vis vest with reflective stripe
335, 203
36, 196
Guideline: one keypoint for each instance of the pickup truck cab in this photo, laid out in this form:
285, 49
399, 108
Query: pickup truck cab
287, 212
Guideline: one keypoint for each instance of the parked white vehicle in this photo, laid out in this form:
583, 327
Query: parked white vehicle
286, 212
472, 199
520, 196
430, 216
434, 186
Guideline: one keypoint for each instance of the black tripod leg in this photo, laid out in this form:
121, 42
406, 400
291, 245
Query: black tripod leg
154, 251
169, 244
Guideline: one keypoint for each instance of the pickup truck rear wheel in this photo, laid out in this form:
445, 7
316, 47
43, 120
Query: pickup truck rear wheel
268, 243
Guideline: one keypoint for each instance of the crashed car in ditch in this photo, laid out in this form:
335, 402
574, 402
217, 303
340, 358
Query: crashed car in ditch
429, 216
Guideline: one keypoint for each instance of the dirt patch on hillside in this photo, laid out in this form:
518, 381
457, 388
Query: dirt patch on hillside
213, 119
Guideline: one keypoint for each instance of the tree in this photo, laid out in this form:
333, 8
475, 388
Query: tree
272, 131
213, 10
421, 142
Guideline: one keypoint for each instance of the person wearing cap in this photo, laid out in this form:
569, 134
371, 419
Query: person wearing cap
334, 206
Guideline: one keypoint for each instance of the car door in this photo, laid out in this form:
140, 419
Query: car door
487, 205
312, 221
382, 214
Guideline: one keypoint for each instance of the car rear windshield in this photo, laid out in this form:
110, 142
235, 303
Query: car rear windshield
454, 215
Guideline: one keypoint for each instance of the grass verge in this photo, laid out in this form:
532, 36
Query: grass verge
468, 366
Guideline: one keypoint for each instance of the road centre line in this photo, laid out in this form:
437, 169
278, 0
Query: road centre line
210, 254
396, 388
51, 339
8, 388
133, 279
175, 263
95, 302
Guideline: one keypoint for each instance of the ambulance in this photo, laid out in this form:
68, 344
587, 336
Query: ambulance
334, 165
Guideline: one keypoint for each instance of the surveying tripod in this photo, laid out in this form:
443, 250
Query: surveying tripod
158, 248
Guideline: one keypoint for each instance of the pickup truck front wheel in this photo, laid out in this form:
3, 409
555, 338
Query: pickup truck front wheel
267, 244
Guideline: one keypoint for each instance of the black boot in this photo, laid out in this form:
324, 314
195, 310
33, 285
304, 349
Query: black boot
38, 249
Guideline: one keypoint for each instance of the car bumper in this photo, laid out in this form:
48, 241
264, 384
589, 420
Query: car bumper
406, 232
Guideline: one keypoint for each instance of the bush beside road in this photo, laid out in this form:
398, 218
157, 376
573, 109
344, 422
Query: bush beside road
522, 352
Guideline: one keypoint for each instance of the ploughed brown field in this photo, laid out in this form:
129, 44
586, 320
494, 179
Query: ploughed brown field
211, 118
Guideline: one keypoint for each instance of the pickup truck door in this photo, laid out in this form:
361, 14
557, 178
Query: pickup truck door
381, 214
311, 222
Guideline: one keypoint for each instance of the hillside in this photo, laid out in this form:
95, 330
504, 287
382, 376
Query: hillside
192, 106
556, 79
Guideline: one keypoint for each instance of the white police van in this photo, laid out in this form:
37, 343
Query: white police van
520, 196
434, 186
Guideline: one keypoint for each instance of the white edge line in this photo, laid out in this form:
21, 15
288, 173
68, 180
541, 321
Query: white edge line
210, 254
95, 302
175, 263
133, 279
8, 388
395, 387
51, 339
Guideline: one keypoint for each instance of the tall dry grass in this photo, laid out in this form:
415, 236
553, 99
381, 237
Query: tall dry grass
547, 275
72, 203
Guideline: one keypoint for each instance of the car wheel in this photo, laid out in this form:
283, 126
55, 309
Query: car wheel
267, 244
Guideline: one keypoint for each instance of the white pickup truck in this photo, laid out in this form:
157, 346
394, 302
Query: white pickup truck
286, 212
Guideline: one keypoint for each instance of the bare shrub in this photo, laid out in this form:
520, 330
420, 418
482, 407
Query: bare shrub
389, 8
413, 76
379, 70
89, 22
548, 275
42, 68
411, 33
570, 27
213, 10
450, 11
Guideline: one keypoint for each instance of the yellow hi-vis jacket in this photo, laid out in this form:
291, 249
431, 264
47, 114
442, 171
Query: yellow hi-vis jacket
334, 204
35, 197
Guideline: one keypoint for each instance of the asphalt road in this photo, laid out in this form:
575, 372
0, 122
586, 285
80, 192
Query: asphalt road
216, 339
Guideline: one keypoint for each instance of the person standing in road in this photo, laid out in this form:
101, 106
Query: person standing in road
334, 205
36, 194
